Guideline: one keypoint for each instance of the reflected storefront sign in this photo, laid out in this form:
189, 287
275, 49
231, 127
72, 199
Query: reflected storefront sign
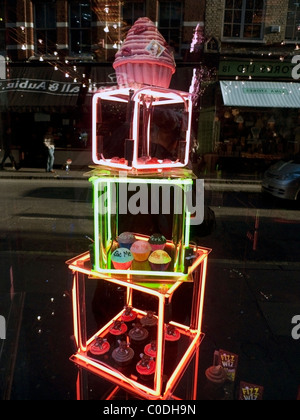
260, 69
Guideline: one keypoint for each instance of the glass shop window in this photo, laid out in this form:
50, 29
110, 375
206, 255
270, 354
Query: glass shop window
292, 32
2, 28
170, 23
244, 19
80, 27
45, 27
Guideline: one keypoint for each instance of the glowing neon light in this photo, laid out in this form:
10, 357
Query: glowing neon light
104, 218
191, 331
161, 97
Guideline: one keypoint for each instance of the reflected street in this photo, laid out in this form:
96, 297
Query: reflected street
252, 285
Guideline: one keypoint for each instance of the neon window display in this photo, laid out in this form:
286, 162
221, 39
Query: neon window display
143, 129
115, 199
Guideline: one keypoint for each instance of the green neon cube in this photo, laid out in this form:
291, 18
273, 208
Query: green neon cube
142, 206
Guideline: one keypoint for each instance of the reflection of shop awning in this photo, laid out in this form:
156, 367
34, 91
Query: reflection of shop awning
44, 88
261, 94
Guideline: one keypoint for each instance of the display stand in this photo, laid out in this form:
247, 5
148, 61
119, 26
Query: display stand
169, 367
141, 155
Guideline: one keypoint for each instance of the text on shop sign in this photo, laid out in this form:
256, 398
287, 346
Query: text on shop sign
263, 69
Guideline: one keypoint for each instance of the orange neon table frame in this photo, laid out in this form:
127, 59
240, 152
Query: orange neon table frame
82, 271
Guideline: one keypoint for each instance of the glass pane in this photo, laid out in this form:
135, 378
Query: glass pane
248, 17
75, 41
39, 16
259, 4
2, 41
227, 31
256, 31
86, 41
74, 16
50, 13
228, 16
237, 16
229, 4
51, 41
238, 4
2, 16
86, 16
164, 14
236, 32
175, 17
250, 4
139, 10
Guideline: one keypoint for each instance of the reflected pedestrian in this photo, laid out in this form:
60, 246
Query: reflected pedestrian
7, 150
50, 145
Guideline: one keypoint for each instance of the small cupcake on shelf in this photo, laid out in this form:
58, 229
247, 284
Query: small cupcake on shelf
118, 328
171, 333
123, 354
138, 333
157, 241
126, 239
159, 260
140, 250
149, 321
128, 315
146, 367
151, 349
99, 346
122, 259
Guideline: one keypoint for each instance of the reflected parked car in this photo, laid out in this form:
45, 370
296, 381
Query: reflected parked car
283, 179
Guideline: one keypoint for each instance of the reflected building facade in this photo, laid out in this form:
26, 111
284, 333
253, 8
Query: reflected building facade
56, 54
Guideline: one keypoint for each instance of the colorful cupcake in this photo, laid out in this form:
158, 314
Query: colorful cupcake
122, 259
159, 260
145, 57
140, 250
157, 241
126, 239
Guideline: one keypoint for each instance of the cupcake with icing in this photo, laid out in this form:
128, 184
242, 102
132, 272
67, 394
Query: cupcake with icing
118, 328
157, 241
159, 260
145, 57
146, 367
140, 250
172, 333
128, 314
122, 259
99, 347
151, 349
126, 239
123, 354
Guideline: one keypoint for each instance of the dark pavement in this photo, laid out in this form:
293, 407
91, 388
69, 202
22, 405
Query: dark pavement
248, 311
